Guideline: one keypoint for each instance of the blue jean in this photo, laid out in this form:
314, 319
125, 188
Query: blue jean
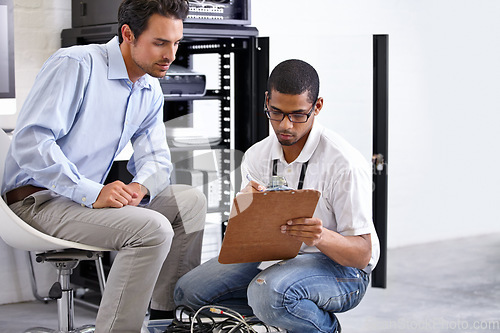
300, 294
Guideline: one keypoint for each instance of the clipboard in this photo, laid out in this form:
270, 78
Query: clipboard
253, 231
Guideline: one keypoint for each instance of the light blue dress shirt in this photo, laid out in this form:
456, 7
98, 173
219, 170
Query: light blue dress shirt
79, 115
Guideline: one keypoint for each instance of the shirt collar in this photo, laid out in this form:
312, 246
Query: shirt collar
309, 148
116, 65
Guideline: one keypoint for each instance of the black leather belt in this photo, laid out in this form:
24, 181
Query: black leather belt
20, 193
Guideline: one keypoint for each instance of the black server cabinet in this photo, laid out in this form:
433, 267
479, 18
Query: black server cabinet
243, 68
96, 12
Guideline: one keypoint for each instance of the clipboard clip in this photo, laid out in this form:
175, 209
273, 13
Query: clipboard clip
278, 183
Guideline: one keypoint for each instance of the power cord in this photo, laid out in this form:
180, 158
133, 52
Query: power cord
183, 322
224, 320
239, 320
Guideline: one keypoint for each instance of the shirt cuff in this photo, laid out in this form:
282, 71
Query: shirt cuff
86, 192
155, 183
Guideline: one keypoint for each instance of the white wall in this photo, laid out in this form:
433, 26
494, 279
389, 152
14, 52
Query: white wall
37, 31
443, 101
37, 34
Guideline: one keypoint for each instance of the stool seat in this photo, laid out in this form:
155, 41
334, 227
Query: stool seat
63, 254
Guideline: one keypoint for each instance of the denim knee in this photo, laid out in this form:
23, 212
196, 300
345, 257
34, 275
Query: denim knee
265, 299
189, 299
179, 295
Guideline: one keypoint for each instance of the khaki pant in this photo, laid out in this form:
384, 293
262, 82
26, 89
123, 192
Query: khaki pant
156, 245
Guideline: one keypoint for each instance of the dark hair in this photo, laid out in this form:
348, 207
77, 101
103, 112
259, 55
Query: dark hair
136, 13
294, 77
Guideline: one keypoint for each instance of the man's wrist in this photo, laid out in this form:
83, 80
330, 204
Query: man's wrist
144, 190
145, 194
140, 188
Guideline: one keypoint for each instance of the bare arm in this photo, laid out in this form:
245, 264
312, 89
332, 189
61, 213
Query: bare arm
352, 251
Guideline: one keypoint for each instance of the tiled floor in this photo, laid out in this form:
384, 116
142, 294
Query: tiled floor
451, 286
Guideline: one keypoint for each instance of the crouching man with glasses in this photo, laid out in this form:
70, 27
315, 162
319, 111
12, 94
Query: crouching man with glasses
340, 246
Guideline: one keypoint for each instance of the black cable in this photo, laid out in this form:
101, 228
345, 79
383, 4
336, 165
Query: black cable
184, 316
179, 325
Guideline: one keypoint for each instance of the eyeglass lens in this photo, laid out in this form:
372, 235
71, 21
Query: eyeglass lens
294, 118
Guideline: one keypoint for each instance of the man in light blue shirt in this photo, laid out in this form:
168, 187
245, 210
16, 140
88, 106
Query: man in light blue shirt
86, 104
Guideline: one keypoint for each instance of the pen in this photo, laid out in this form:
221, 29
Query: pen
260, 187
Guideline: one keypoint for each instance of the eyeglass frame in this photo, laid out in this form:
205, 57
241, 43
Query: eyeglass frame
289, 115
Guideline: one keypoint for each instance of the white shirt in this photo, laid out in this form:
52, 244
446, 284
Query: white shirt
335, 168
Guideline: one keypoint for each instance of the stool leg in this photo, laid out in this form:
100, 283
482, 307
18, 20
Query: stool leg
40, 330
34, 287
100, 274
65, 307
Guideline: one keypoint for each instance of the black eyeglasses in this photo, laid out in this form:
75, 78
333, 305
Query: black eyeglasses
293, 117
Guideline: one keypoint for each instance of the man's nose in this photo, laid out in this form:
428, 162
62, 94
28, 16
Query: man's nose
169, 53
286, 123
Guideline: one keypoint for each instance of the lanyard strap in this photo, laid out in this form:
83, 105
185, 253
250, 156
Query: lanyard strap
302, 172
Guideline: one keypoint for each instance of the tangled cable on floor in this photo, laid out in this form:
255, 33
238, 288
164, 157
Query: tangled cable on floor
223, 320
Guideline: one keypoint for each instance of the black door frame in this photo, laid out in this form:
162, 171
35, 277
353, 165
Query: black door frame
380, 152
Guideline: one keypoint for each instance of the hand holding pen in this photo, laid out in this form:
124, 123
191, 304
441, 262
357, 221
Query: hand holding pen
253, 186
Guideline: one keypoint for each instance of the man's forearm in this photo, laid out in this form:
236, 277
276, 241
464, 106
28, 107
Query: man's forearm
350, 251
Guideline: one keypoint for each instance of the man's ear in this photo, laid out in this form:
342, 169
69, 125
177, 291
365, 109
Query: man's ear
319, 105
127, 34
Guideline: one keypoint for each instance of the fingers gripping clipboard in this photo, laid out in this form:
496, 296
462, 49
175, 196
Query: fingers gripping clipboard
253, 231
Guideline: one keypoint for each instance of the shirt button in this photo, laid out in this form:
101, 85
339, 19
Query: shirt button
53, 186
84, 199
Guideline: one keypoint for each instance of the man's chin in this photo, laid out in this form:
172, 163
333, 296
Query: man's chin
287, 142
158, 75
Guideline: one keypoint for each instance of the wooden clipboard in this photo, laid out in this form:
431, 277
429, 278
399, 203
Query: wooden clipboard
253, 232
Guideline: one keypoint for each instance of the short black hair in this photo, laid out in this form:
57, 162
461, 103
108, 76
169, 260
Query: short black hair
136, 13
294, 77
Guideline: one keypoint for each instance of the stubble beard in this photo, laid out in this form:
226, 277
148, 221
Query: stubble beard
290, 142
149, 69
